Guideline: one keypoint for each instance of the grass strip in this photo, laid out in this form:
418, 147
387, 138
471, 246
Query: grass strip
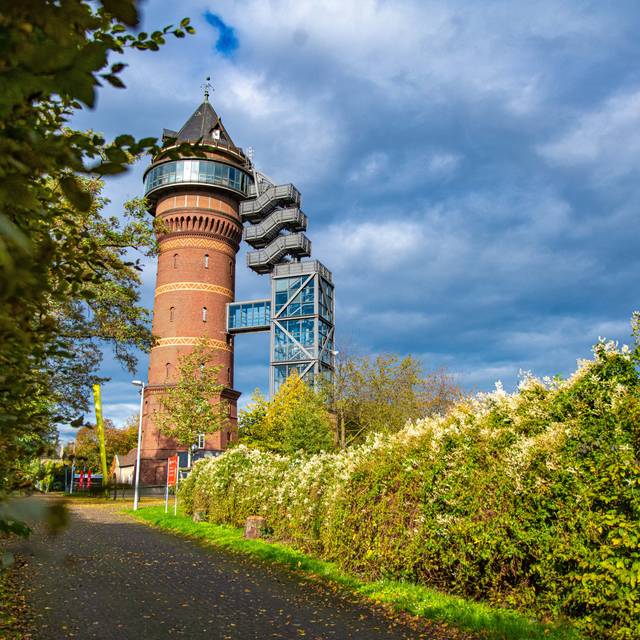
489, 622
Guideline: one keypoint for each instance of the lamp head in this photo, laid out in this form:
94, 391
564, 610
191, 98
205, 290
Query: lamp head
137, 383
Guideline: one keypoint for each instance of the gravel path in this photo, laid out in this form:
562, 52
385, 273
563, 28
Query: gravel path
109, 577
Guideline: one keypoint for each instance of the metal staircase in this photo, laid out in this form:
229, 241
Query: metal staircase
293, 244
275, 229
275, 196
261, 234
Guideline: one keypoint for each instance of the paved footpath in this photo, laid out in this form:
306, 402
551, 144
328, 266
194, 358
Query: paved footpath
109, 577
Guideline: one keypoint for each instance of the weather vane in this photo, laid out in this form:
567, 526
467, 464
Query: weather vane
207, 86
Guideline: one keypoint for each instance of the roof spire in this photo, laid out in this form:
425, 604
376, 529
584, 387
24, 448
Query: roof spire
207, 86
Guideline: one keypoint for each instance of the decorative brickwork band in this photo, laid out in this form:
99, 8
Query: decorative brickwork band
191, 341
195, 286
197, 243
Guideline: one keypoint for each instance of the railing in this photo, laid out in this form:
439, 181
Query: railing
256, 209
295, 244
288, 269
190, 171
291, 218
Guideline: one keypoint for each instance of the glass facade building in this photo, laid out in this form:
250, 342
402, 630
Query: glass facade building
303, 332
198, 172
299, 317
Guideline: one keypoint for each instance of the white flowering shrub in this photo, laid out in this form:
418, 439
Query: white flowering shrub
529, 500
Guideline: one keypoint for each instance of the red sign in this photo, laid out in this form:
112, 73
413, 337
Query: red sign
172, 471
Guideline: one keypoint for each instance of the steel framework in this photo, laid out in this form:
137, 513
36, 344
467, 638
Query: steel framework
300, 313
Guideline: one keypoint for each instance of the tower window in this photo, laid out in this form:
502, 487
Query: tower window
230, 267
167, 370
204, 314
172, 314
175, 260
229, 375
206, 260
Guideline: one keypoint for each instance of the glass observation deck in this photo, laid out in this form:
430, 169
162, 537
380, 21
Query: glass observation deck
254, 315
197, 172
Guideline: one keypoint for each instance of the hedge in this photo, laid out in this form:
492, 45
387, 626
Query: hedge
528, 500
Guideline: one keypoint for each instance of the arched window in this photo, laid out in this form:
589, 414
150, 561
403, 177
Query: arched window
167, 370
230, 267
204, 314
206, 260
172, 314
229, 374
175, 260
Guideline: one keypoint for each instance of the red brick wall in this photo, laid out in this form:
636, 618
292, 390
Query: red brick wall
193, 224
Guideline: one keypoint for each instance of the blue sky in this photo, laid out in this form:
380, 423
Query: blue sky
470, 170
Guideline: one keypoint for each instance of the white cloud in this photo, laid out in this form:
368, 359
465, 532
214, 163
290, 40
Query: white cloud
426, 49
371, 167
120, 412
379, 247
383, 173
605, 140
294, 139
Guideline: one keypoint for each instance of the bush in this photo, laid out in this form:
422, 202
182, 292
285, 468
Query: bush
527, 500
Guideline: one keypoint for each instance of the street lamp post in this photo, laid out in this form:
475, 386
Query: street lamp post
136, 494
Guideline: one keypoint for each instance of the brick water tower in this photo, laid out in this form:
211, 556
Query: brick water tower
196, 200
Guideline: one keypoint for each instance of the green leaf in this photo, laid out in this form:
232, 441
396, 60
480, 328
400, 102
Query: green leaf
123, 10
76, 195
124, 140
108, 169
114, 81
147, 142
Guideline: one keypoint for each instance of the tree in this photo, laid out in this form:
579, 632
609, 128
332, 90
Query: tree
294, 420
117, 441
381, 395
194, 405
251, 418
65, 280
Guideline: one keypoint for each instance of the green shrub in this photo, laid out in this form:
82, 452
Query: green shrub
529, 500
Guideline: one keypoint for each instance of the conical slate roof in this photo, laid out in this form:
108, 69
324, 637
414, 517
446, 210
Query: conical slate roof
204, 124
